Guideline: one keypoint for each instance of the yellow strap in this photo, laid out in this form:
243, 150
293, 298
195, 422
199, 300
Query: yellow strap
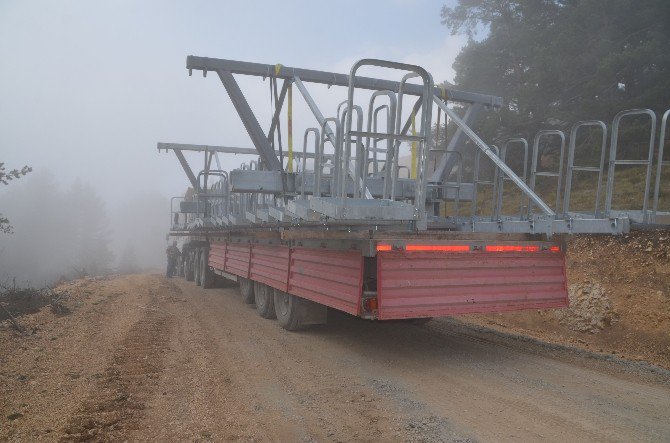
290, 127
277, 69
443, 92
413, 168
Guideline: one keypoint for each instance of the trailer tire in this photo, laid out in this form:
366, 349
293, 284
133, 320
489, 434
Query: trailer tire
247, 290
196, 268
287, 310
265, 304
188, 271
181, 269
207, 277
420, 321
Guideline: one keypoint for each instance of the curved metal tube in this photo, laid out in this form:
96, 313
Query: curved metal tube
374, 149
613, 161
571, 163
659, 168
502, 177
316, 133
390, 126
493, 182
318, 161
427, 98
357, 179
533, 169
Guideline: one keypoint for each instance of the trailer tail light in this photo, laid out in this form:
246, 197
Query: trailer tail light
555, 249
381, 247
512, 248
441, 248
370, 304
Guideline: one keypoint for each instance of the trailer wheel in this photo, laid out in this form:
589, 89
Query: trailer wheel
181, 269
287, 310
247, 290
188, 271
197, 272
265, 304
207, 277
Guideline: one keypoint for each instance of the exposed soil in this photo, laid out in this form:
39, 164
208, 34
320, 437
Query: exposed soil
619, 299
142, 358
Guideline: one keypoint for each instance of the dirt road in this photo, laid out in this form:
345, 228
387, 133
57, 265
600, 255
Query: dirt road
144, 358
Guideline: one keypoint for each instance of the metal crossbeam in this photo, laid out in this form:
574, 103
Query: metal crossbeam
330, 78
222, 149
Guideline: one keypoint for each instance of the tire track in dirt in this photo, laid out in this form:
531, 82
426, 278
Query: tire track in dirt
116, 405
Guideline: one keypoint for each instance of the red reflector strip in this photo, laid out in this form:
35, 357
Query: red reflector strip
384, 247
441, 248
512, 248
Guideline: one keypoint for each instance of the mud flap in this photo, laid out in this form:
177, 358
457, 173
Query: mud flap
312, 313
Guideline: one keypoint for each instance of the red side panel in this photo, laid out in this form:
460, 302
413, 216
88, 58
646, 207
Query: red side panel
433, 284
332, 278
237, 259
269, 265
217, 255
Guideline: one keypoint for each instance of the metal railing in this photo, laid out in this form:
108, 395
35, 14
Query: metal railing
360, 183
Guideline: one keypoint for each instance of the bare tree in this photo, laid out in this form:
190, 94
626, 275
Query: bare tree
5, 178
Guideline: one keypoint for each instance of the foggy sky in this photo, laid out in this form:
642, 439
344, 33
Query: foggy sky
88, 88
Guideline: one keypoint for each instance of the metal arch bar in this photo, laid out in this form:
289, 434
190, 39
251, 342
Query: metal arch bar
327, 131
250, 122
476, 181
501, 177
661, 163
318, 162
426, 92
490, 154
613, 161
375, 150
317, 136
357, 177
330, 78
571, 160
533, 168
372, 127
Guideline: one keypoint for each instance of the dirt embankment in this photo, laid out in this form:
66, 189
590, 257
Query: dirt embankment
619, 299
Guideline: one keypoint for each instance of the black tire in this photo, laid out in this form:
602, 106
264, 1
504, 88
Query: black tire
287, 310
247, 290
419, 321
208, 278
197, 272
265, 300
188, 271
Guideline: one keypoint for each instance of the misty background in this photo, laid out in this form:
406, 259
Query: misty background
88, 88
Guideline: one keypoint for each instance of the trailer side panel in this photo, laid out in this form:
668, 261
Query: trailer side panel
217, 255
238, 256
433, 284
332, 278
269, 265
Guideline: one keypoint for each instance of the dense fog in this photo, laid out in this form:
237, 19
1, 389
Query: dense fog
66, 230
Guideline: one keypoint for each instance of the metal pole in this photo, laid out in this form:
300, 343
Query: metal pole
490, 154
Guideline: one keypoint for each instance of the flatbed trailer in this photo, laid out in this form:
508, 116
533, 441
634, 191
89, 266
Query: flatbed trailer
349, 234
